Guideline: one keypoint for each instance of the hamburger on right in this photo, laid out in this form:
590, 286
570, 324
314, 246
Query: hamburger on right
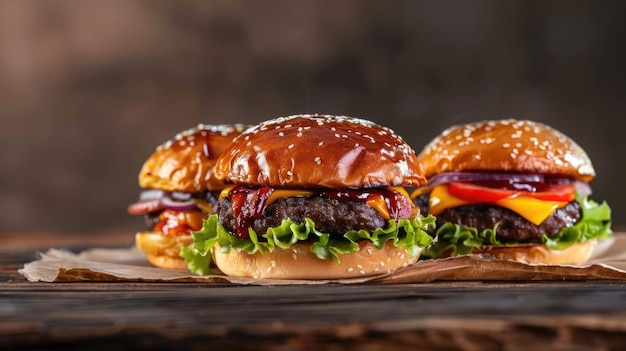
514, 189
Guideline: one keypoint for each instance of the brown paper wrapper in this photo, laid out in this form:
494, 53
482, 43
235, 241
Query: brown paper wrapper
608, 261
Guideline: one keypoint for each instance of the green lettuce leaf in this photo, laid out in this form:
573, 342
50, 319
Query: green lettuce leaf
412, 234
452, 239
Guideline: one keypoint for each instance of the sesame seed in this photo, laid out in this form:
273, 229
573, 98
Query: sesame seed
477, 156
318, 160
350, 269
382, 264
506, 145
320, 143
362, 271
359, 266
281, 134
291, 146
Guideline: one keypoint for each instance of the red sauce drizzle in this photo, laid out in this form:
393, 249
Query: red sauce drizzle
248, 204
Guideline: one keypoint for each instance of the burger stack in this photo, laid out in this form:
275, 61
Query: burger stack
327, 197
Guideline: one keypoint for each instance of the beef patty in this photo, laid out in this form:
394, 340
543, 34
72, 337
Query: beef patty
511, 226
329, 215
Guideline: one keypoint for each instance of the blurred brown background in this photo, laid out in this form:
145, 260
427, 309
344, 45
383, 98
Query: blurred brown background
89, 88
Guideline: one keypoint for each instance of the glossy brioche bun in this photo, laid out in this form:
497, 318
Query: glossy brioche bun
313, 151
298, 262
185, 163
162, 250
506, 145
578, 253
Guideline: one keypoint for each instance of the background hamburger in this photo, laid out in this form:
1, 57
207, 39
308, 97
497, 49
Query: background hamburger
179, 191
313, 197
513, 188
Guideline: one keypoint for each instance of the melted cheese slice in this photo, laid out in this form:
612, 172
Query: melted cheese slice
534, 210
376, 202
275, 195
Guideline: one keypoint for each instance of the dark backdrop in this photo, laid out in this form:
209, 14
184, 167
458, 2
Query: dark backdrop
89, 88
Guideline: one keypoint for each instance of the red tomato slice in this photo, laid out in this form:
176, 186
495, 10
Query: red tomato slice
477, 193
564, 192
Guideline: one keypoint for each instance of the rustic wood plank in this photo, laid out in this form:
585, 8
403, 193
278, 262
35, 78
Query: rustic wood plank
435, 316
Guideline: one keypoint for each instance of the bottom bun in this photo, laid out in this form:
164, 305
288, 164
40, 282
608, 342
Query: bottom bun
298, 262
576, 254
163, 250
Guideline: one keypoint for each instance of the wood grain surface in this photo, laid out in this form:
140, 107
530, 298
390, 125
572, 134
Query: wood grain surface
434, 316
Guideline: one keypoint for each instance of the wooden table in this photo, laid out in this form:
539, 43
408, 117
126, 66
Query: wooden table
433, 316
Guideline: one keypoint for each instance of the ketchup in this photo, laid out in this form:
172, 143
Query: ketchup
179, 222
248, 204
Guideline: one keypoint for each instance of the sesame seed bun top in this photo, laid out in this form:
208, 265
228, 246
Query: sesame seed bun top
506, 145
319, 151
185, 163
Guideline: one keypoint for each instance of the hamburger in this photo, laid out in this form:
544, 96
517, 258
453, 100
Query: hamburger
313, 197
515, 189
178, 191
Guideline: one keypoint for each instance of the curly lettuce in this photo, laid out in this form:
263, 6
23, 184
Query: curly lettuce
412, 234
452, 239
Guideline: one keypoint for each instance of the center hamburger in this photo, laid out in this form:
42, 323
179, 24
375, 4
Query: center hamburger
313, 197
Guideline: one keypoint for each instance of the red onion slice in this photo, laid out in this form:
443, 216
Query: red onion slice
145, 206
151, 194
485, 176
517, 180
582, 188
178, 205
